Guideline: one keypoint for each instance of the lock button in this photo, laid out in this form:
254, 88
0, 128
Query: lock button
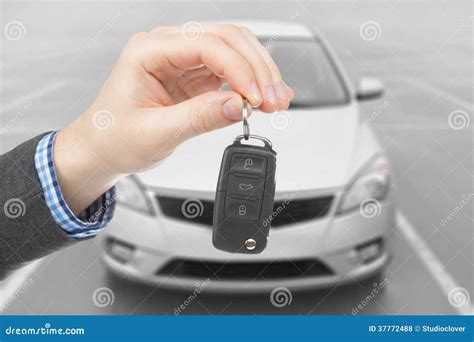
242, 209
248, 163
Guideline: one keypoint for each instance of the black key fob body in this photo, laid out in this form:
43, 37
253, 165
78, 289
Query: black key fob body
244, 198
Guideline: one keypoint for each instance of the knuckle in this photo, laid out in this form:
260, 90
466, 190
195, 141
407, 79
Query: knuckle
137, 38
246, 30
239, 68
262, 65
230, 28
211, 38
132, 48
232, 34
274, 70
200, 122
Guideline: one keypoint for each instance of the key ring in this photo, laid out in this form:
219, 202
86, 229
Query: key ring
267, 142
246, 109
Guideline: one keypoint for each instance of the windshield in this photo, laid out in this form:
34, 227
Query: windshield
306, 68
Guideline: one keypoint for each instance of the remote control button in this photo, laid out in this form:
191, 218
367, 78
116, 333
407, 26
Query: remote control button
248, 163
245, 186
242, 209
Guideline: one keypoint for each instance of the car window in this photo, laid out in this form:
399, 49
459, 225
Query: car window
306, 68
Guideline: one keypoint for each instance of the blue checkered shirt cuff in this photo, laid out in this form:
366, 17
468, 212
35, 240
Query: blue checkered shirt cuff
88, 223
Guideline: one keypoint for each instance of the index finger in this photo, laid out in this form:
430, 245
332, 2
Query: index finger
167, 54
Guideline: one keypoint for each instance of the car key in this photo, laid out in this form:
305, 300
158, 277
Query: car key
245, 194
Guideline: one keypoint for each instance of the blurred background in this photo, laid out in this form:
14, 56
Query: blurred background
60, 52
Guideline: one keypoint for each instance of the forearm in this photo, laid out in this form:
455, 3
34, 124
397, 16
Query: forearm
27, 229
38, 219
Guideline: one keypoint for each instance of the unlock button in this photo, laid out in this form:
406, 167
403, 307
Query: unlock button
242, 209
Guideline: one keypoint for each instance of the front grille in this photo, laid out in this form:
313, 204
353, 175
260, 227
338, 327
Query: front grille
184, 209
246, 270
289, 212
285, 212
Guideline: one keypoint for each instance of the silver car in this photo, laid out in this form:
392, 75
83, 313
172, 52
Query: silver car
332, 210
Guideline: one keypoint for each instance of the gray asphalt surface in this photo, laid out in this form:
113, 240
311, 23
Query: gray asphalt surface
424, 55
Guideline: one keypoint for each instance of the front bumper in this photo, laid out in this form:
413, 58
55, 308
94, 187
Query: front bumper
334, 242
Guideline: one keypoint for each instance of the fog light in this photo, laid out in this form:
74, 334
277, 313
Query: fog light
121, 252
369, 251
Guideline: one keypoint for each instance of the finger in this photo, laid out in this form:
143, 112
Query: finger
166, 55
284, 93
198, 81
235, 38
198, 115
226, 30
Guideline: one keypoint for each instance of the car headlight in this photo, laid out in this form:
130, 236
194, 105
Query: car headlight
131, 193
373, 182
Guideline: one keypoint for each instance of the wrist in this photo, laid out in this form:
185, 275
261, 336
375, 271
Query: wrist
81, 173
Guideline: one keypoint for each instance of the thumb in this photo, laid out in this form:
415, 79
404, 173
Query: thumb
203, 113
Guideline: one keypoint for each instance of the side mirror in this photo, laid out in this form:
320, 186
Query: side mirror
369, 88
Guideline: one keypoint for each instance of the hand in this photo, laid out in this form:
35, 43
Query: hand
163, 90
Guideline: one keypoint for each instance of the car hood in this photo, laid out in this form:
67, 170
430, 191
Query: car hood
314, 151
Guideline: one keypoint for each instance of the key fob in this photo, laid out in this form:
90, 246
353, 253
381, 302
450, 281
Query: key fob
244, 198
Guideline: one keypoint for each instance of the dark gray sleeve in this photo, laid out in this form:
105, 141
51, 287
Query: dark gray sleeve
27, 228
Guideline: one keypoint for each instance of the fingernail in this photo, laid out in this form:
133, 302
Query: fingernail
281, 92
255, 97
233, 109
270, 95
